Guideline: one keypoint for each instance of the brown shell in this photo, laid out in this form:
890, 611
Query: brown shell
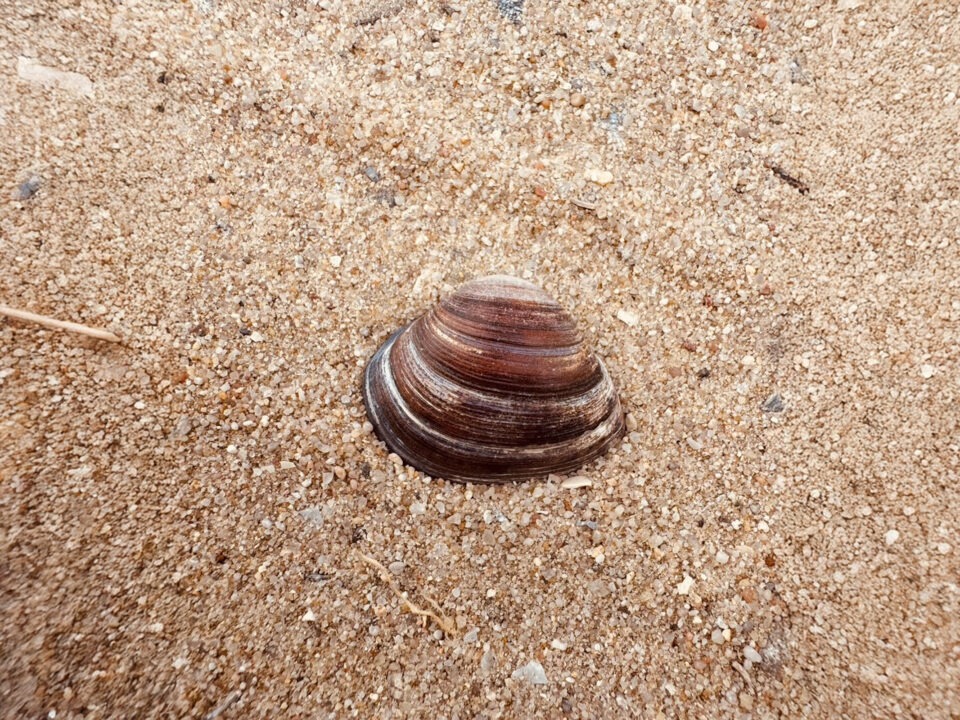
492, 385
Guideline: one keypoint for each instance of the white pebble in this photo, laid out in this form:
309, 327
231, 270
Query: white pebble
532, 672
752, 655
471, 637
943, 548
336, 260
685, 586
558, 645
488, 662
927, 371
600, 177
30, 70
577, 481
891, 536
309, 616
628, 318
722, 557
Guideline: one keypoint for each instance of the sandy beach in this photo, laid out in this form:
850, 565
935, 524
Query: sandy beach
751, 210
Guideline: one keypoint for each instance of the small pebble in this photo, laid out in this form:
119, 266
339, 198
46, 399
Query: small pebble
309, 616
597, 553
600, 177
32, 71
927, 371
774, 404
628, 318
532, 672
183, 428
313, 516
396, 567
578, 100
28, 188
511, 10
488, 662
891, 536
471, 637
577, 481
685, 586
335, 261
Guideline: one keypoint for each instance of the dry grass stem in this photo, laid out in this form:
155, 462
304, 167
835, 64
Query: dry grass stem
58, 324
442, 621
229, 700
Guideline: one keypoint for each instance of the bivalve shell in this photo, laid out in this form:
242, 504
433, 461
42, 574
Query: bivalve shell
492, 385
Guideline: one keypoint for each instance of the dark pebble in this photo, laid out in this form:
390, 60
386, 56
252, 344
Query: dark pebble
774, 404
28, 188
512, 10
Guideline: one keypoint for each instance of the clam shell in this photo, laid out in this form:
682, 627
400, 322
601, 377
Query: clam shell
492, 385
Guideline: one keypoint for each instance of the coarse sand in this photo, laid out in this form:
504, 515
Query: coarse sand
752, 210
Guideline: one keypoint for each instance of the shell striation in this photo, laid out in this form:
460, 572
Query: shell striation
492, 385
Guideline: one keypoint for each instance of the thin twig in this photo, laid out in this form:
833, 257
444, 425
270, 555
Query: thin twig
229, 700
584, 204
442, 621
58, 324
743, 673
789, 179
